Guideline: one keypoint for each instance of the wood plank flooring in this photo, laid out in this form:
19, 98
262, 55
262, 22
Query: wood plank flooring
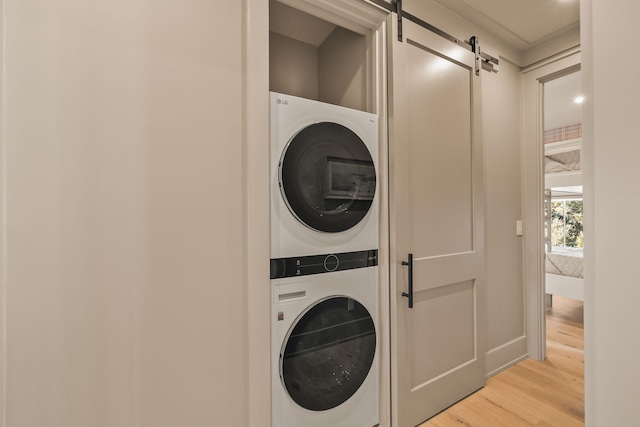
543, 394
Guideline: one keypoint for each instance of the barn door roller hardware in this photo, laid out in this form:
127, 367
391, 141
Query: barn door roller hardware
483, 60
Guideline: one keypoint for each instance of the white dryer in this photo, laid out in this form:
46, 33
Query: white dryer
323, 178
325, 348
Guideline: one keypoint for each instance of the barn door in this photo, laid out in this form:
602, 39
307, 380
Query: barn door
436, 224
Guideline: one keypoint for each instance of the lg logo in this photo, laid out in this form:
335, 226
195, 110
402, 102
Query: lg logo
280, 101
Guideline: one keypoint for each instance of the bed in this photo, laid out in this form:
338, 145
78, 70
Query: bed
562, 167
564, 266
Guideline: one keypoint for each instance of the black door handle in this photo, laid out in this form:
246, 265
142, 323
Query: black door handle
409, 295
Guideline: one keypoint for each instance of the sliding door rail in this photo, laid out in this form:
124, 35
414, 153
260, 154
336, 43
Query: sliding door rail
486, 61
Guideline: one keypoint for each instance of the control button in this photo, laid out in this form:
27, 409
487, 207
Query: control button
331, 263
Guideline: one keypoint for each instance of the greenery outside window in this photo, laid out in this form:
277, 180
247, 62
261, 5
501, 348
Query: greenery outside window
566, 223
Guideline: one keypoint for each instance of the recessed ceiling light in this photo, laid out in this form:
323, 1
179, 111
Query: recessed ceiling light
579, 99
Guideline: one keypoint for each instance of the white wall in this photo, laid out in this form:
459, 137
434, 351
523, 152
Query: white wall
611, 249
502, 94
293, 66
342, 76
506, 341
334, 72
124, 196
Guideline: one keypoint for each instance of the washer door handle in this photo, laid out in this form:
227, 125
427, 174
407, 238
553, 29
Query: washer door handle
409, 295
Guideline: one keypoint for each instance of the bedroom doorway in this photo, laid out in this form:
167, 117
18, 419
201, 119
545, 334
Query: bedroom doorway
563, 230
552, 216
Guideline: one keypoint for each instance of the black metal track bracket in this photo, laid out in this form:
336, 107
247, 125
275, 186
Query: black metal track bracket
399, 12
483, 60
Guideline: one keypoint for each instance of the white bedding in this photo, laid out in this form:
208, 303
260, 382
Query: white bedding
565, 262
564, 273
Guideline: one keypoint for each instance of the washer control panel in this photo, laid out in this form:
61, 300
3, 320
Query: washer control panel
317, 264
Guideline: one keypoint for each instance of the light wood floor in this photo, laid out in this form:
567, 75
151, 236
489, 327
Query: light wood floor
549, 393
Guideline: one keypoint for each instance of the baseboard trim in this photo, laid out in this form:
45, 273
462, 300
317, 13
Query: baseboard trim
506, 355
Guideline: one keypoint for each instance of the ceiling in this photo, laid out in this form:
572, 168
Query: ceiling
524, 24
560, 108
298, 25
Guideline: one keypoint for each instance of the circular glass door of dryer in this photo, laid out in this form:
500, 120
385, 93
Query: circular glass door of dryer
328, 353
327, 177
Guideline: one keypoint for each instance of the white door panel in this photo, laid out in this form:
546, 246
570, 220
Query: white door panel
430, 273
437, 216
438, 314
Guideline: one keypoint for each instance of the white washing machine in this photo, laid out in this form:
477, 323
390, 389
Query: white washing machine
324, 348
323, 178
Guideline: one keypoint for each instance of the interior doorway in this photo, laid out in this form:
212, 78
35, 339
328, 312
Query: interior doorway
544, 83
563, 224
563, 191
553, 212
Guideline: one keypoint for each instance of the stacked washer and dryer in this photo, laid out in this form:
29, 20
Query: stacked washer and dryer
324, 257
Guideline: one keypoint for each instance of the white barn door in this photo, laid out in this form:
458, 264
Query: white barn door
436, 216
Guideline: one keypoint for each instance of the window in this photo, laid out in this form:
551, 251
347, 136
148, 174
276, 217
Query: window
566, 223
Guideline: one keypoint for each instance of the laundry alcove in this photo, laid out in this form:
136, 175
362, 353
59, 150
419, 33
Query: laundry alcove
317, 52
335, 52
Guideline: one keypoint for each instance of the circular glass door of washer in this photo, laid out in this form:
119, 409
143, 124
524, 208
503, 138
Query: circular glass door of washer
328, 353
327, 177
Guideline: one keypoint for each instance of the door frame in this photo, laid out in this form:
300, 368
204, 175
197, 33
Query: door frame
533, 79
